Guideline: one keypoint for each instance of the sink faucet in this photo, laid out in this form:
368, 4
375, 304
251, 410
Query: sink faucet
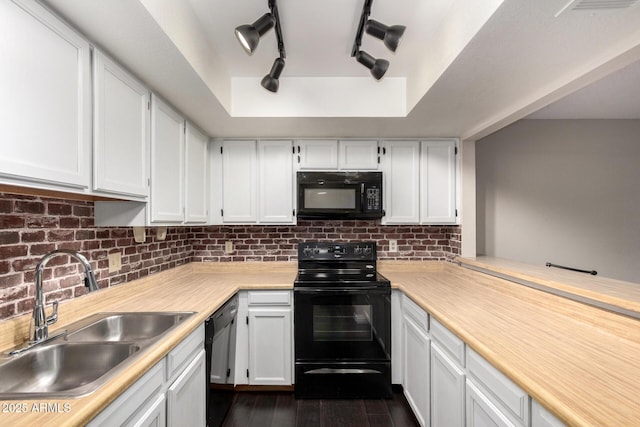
40, 322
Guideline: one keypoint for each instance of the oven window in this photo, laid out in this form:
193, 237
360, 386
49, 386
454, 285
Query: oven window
330, 198
342, 323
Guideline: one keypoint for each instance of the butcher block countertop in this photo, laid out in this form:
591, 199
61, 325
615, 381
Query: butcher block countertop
580, 362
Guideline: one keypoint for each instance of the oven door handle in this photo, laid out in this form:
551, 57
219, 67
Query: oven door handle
359, 289
329, 371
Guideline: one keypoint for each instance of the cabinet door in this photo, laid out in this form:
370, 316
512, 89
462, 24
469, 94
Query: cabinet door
154, 416
197, 164
239, 164
447, 390
481, 412
270, 346
540, 417
438, 182
416, 370
276, 181
402, 182
167, 163
121, 130
186, 398
358, 155
45, 137
317, 155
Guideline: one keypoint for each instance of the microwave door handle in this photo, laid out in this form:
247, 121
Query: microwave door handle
362, 205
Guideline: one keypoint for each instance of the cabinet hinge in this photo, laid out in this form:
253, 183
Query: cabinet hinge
221, 212
247, 373
220, 150
456, 213
384, 151
298, 149
378, 159
294, 212
228, 372
148, 105
293, 150
455, 151
247, 320
378, 150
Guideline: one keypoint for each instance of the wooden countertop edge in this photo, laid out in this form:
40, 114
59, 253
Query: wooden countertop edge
627, 303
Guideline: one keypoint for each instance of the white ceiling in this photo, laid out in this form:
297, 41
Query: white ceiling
468, 68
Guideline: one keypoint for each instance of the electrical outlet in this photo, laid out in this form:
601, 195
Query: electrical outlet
393, 246
115, 262
228, 247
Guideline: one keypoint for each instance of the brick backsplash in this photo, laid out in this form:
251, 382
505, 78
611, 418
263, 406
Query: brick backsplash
31, 226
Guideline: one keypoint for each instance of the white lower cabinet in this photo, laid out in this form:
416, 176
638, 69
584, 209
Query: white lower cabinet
264, 338
172, 393
447, 389
416, 347
481, 411
186, 397
540, 417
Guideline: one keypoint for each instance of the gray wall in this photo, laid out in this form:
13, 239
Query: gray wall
564, 191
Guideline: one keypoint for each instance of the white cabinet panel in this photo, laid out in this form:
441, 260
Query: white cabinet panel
358, 155
397, 355
196, 168
438, 182
167, 163
270, 346
153, 416
239, 169
481, 412
402, 182
275, 186
317, 154
186, 398
447, 390
540, 417
45, 137
416, 369
121, 130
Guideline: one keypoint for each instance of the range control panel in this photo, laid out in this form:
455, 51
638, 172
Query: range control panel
337, 251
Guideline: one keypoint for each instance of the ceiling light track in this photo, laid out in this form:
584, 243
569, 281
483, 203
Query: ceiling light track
389, 35
249, 35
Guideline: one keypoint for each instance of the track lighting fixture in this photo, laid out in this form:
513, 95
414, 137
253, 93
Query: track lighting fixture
270, 82
389, 35
249, 36
377, 67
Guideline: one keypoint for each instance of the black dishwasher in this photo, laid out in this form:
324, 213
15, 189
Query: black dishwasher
220, 334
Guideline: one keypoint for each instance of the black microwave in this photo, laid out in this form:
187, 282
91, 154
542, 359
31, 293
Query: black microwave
339, 195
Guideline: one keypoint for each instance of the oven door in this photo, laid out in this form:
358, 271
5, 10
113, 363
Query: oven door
325, 200
342, 324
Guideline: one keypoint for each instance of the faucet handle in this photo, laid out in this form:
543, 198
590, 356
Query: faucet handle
54, 315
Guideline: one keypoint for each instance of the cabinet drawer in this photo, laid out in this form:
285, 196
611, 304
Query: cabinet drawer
509, 395
269, 297
448, 340
416, 313
125, 407
184, 352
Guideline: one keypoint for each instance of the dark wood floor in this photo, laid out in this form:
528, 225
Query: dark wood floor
279, 409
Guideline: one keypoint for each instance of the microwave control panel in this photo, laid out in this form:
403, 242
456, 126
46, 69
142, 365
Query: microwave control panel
373, 199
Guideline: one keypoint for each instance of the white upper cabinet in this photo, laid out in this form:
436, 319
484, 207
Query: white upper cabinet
239, 185
275, 186
196, 176
358, 155
438, 182
45, 137
317, 154
121, 131
167, 163
401, 171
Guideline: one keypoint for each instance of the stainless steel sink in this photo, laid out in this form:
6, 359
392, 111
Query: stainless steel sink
93, 351
62, 369
126, 326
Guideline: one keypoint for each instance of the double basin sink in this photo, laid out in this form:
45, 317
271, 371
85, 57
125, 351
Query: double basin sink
90, 353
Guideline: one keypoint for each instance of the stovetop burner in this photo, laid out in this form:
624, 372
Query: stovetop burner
330, 264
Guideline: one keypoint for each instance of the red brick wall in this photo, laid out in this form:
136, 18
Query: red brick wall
31, 226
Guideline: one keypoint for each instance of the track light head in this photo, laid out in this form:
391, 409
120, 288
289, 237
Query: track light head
270, 82
389, 35
377, 67
249, 35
